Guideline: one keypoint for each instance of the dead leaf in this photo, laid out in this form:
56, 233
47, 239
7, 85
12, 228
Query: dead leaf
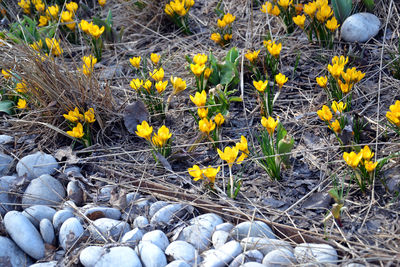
134, 114
66, 154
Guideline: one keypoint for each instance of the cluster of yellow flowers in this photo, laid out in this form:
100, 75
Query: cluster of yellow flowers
52, 44
158, 140
273, 48
223, 35
178, 7
394, 114
285, 9
88, 64
269, 124
209, 173
319, 10
75, 117
362, 158
20, 88
157, 75
200, 68
326, 115
91, 29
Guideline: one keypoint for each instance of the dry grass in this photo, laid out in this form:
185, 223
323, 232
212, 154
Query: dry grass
121, 159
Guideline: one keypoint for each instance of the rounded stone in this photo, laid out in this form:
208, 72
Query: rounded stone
168, 214
37, 213
315, 253
44, 190
60, 217
70, 231
47, 231
252, 264
264, 245
178, 263
247, 256
252, 229
75, 192
196, 235
360, 27
10, 253
219, 238
151, 255
140, 222
156, 206
132, 237
102, 212
158, 238
6, 199
279, 257
181, 250
222, 256
5, 139
45, 264
115, 256
227, 227
108, 228
5, 163
37, 164
89, 256
24, 234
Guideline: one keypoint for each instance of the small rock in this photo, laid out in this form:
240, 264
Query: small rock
196, 235
132, 237
247, 256
178, 263
108, 228
11, 254
75, 192
315, 253
5, 164
354, 265
181, 250
279, 257
37, 164
115, 256
70, 231
47, 231
166, 215
105, 193
44, 190
5, 139
158, 238
45, 264
24, 234
60, 217
227, 227
69, 205
252, 264
141, 222
252, 229
151, 255
208, 221
392, 179
103, 212
360, 27
222, 256
37, 213
156, 206
219, 238
264, 245
132, 197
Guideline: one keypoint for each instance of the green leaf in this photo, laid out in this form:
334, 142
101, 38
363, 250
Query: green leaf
109, 19
7, 106
232, 55
342, 9
369, 4
227, 73
280, 132
235, 99
214, 78
334, 194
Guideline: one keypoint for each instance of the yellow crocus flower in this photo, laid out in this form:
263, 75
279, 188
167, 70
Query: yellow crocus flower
54, 46
338, 107
163, 134
370, 166
74, 116
352, 159
285, 3
267, 7
144, 130
335, 126
342, 61
21, 103
310, 9
207, 73
269, 124
211, 173
147, 85
221, 23
202, 112
280, 79
102, 2
6, 73
200, 59
274, 49
345, 87
322, 81
206, 126
260, 85
332, 24
197, 69
89, 116
335, 70
252, 56
95, 31
219, 119
43, 20
196, 172
136, 84
199, 99
160, 86
275, 11
157, 74
135, 61
367, 154
52, 11
72, 7
216, 37
323, 13
228, 18
155, 58
325, 113
77, 131
300, 20
243, 145
229, 155
178, 85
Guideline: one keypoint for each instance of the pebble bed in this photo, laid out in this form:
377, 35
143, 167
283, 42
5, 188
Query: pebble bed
50, 222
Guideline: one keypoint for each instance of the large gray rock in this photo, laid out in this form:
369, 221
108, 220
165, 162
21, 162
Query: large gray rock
178, 263
252, 229
24, 234
315, 253
75, 192
37, 164
219, 238
247, 256
44, 190
360, 27
70, 231
45, 264
181, 250
158, 238
102, 212
151, 255
11, 255
222, 256
263, 244
169, 213
5, 198
108, 228
132, 237
116, 256
279, 257
37, 213
60, 217
5, 139
5, 163
156, 206
47, 231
